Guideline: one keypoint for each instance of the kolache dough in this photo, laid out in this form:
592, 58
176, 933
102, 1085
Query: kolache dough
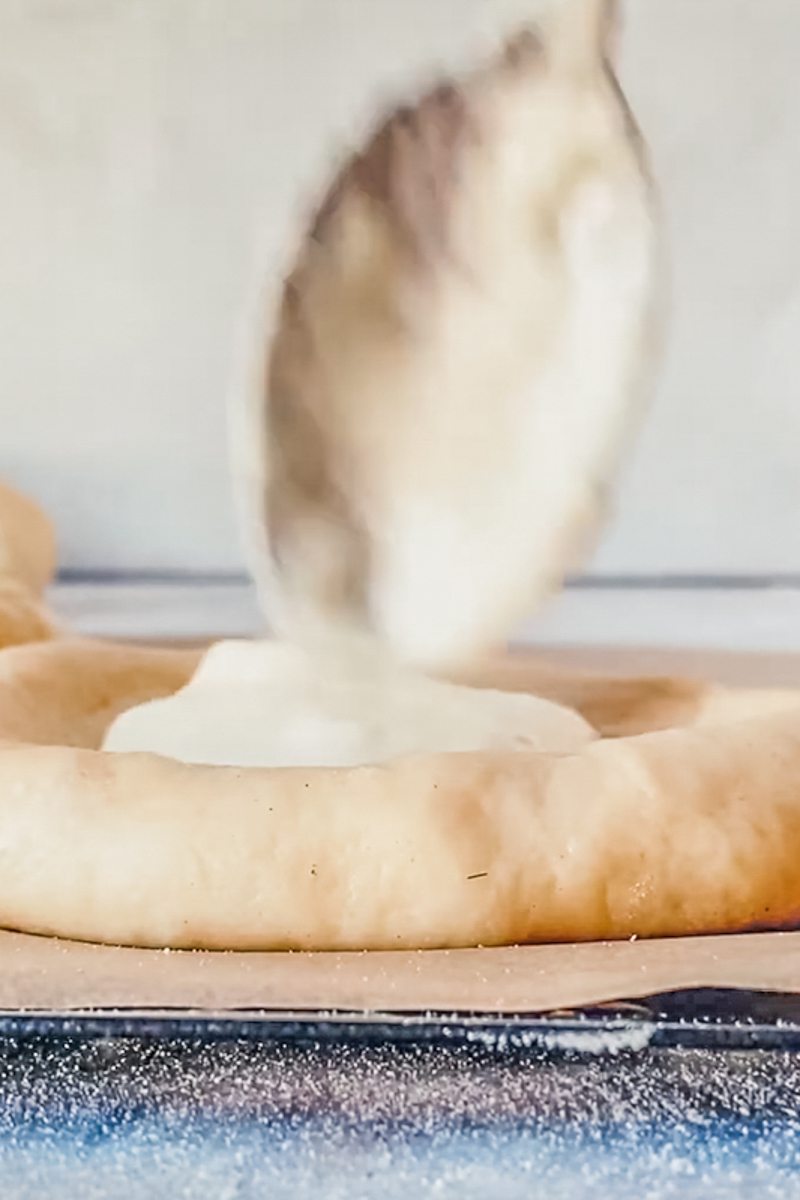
694, 828
316, 793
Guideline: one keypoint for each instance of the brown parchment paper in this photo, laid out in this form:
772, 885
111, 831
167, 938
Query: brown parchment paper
47, 975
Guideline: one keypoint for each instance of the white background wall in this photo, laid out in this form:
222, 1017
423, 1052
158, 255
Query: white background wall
148, 147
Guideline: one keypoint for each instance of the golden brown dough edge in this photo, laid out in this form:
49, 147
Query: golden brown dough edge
27, 563
67, 693
27, 540
687, 830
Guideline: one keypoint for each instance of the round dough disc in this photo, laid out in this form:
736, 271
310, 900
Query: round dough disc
692, 829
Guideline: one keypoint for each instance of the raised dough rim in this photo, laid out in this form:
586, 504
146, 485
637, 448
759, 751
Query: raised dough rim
97, 883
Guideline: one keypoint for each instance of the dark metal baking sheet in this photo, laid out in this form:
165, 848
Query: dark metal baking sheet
634, 1102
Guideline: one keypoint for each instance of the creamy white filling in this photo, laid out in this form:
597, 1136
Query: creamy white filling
269, 704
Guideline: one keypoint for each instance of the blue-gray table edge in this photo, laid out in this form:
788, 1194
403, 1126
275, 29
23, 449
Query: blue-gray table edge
708, 1020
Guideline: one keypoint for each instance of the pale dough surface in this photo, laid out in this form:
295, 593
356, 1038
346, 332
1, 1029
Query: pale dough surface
23, 616
693, 829
270, 704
